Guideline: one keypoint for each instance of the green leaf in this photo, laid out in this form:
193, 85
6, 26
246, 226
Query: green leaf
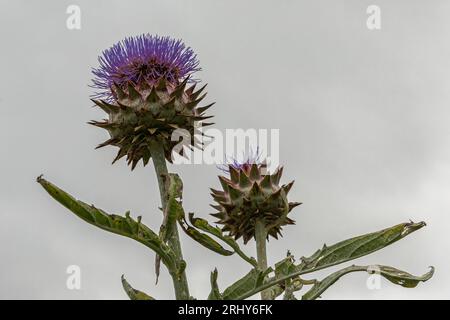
215, 292
246, 284
282, 269
356, 247
401, 278
285, 266
203, 225
341, 252
125, 226
395, 276
134, 294
173, 210
204, 240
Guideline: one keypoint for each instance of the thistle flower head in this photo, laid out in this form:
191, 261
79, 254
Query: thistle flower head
249, 194
144, 58
143, 89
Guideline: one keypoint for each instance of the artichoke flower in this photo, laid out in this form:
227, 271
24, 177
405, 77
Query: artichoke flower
143, 88
249, 194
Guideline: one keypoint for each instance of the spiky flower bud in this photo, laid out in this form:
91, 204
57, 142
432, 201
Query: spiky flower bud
250, 194
143, 89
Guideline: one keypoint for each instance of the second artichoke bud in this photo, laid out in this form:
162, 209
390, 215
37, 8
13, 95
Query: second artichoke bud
250, 194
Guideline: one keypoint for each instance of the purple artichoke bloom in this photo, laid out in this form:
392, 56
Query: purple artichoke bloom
246, 164
143, 58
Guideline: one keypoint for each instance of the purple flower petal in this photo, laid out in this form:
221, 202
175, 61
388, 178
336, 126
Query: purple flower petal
252, 158
143, 58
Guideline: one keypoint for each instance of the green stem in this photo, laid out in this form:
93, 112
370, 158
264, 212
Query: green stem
261, 255
159, 162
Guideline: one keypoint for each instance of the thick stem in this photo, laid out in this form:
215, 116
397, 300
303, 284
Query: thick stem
159, 162
261, 255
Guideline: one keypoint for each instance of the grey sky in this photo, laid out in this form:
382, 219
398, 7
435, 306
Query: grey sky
363, 118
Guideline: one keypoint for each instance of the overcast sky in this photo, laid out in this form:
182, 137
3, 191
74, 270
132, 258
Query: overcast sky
364, 130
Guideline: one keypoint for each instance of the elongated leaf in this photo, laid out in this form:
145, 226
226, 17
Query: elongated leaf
204, 240
341, 252
356, 247
215, 292
203, 225
399, 277
395, 276
125, 226
134, 294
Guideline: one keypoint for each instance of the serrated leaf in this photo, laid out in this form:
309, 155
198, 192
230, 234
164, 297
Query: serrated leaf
134, 294
395, 276
124, 226
356, 247
341, 252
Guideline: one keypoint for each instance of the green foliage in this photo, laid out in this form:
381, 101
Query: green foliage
251, 282
204, 240
285, 277
329, 256
357, 247
124, 226
203, 225
134, 294
395, 276
173, 210
215, 293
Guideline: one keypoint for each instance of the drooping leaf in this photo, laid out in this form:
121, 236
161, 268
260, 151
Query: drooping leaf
401, 278
204, 240
125, 226
203, 225
395, 276
356, 247
215, 292
134, 294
